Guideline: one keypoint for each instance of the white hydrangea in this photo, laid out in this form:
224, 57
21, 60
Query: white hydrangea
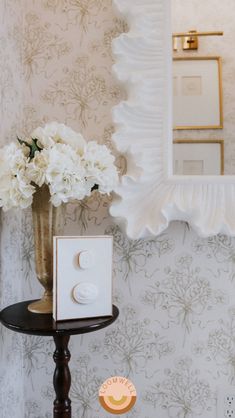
15, 187
55, 132
99, 165
61, 159
14, 157
37, 167
65, 174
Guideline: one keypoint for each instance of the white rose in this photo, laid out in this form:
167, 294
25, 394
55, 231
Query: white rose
14, 156
15, 187
44, 140
36, 169
65, 174
21, 193
67, 136
100, 168
55, 132
15, 191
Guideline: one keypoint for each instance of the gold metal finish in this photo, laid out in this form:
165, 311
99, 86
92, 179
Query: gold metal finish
190, 40
183, 34
45, 224
220, 126
175, 44
190, 43
206, 141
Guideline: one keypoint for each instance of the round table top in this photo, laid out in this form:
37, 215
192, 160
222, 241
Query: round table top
17, 318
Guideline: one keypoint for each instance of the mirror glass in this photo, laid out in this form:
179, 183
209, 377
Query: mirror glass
203, 88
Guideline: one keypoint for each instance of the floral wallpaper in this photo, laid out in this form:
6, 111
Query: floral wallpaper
11, 94
175, 337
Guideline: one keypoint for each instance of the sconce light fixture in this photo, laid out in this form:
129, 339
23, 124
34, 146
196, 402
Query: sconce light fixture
190, 40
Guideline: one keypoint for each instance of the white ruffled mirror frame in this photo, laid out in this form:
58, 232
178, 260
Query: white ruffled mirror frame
150, 196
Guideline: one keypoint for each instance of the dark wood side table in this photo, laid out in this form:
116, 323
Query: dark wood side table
17, 318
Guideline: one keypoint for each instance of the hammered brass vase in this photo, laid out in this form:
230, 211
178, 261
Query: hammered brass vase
46, 220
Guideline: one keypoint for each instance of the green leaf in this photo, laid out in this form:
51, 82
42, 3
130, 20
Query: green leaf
23, 142
33, 147
95, 187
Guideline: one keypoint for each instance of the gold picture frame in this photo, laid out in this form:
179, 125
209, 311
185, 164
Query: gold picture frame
220, 157
195, 105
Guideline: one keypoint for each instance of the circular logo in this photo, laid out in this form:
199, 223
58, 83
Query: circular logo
117, 395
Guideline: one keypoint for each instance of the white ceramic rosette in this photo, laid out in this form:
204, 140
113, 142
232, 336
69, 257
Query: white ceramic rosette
85, 293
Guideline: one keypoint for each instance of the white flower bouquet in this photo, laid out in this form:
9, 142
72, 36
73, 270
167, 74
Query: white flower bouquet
57, 156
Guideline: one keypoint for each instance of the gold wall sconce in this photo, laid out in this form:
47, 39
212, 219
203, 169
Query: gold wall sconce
189, 40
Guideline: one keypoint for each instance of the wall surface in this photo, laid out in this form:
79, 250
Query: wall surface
175, 337
11, 97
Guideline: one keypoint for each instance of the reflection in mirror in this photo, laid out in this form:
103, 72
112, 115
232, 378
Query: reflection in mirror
203, 94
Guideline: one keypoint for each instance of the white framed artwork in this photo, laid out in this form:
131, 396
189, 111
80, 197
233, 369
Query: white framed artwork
198, 157
197, 93
82, 281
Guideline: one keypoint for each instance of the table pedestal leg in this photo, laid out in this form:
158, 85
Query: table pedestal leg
62, 378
